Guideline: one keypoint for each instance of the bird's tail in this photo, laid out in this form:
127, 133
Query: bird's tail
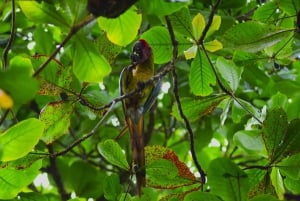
136, 130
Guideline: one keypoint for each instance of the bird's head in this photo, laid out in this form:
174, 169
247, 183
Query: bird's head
141, 52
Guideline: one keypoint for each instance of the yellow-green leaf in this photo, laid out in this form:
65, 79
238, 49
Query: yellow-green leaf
198, 25
213, 46
216, 23
191, 52
20, 139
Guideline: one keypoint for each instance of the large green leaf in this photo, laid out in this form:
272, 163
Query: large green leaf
227, 180
265, 12
194, 109
159, 40
16, 175
42, 13
181, 22
88, 64
201, 76
89, 184
113, 153
124, 29
20, 139
56, 116
112, 187
229, 72
18, 82
275, 127
253, 36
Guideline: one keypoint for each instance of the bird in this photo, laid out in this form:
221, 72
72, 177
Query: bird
133, 77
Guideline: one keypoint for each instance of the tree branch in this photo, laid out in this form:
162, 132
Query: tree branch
12, 36
179, 106
86, 136
56, 176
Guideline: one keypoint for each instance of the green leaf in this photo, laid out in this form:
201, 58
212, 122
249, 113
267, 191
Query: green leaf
162, 162
44, 42
277, 182
274, 128
43, 13
201, 196
229, 72
56, 116
290, 166
122, 30
181, 22
253, 36
278, 100
159, 40
194, 109
113, 153
20, 139
89, 184
161, 7
265, 12
281, 139
291, 140
167, 170
201, 76
17, 81
242, 58
227, 180
112, 187
250, 140
74, 12
216, 23
88, 64
109, 50
14, 178
292, 185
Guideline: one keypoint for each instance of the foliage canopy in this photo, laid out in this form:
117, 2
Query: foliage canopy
226, 125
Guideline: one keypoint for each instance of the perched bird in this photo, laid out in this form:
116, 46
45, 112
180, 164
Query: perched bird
134, 107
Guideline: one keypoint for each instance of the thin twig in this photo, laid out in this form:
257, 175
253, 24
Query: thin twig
12, 36
71, 33
179, 106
